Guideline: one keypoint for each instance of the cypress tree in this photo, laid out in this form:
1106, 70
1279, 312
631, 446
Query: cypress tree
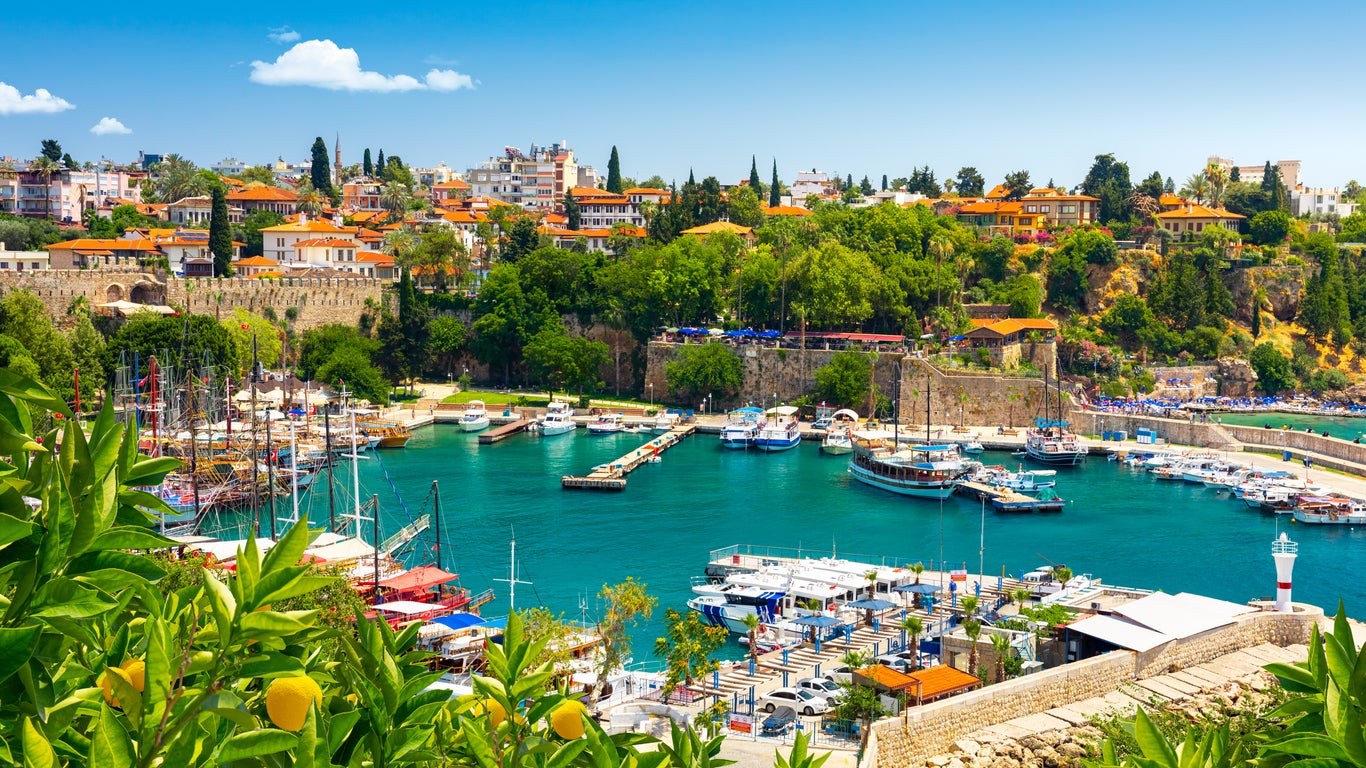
753, 175
614, 172
572, 211
367, 167
1256, 313
1233, 174
849, 181
322, 169
379, 164
774, 198
220, 241
884, 182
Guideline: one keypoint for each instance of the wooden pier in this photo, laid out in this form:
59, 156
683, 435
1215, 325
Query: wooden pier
1007, 500
612, 476
507, 430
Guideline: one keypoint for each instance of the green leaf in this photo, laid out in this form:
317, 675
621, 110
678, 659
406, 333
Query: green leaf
109, 744
1309, 745
270, 623
13, 529
150, 471
228, 705
266, 741
1294, 675
478, 743
23, 388
286, 583
141, 565
16, 647
129, 537
311, 737
566, 754
37, 751
270, 665
223, 603
289, 550
1151, 741
339, 728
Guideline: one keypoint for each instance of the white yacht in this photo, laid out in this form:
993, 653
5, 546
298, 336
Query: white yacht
606, 424
742, 424
559, 420
665, 421
780, 431
475, 418
839, 440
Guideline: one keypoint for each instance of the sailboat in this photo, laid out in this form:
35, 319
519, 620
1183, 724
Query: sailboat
1049, 441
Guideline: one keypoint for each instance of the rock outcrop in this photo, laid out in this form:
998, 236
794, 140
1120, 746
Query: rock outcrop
1236, 377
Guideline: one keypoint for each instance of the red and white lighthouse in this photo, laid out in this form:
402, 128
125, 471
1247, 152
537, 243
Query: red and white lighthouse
1284, 551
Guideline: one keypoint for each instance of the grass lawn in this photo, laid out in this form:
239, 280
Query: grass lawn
497, 398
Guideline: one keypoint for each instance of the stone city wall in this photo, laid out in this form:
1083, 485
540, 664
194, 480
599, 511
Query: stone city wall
974, 398
319, 300
933, 728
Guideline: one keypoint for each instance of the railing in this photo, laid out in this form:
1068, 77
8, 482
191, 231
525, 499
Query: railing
481, 598
728, 555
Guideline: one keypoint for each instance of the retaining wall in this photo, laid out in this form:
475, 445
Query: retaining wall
931, 729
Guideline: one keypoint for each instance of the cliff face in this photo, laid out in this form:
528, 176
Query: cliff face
1282, 285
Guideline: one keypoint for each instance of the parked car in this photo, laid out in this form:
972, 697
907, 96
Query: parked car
895, 661
826, 689
926, 660
779, 721
803, 701
840, 674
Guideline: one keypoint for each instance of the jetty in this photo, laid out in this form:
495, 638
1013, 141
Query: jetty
507, 430
612, 476
1007, 500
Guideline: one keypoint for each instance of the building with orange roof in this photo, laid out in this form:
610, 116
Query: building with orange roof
362, 194
455, 189
1001, 217
1192, 218
939, 681
254, 265
1004, 339
88, 253
534, 180
278, 242
198, 210
373, 264
1061, 209
259, 197
605, 211
884, 679
640, 195
785, 210
598, 240
1171, 202
744, 233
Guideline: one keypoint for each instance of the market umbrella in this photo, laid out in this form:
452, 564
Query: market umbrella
816, 622
870, 605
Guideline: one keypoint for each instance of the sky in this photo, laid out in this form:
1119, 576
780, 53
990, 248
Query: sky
853, 88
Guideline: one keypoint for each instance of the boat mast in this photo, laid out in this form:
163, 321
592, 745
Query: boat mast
374, 531
270, 475
512, 580
194, 445
331, 461
436, 513
294, 471
927, 406
255, 450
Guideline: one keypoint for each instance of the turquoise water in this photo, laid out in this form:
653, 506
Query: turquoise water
1349, 427
1120, 524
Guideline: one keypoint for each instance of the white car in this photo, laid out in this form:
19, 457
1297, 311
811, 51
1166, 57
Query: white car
826, 689
840, 675
805, 702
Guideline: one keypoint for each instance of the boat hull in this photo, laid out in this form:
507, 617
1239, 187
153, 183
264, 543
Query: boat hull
1067, 459
917, 490
837, 449
394, 441
549, 430
772, 445
477, 425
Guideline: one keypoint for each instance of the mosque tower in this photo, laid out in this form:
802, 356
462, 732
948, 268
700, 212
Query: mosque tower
337, 164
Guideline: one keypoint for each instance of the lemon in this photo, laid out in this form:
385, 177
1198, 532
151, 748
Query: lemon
287, 701
496, 713
567, 719
136, 670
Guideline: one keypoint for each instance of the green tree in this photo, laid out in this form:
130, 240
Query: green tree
395, 171
249, 231
1127, 318
321, 171
866, 187
744, 209
1272, 367
244, 326
52, 150
1017, 185
703, 369
969, 182
573, 214
1269, 227
1178, 294
69, 162
394, 197
220, 239
319, 344
884, 186
352, 366
522, 238
914, 627
380, 162
774, 188
1108, 180
24, 318
367, 167
833, 286
624, 606
562, 360
1257, 298
846, 379
861, 704
687, 647
87, 357
1067, 284
614, 172
754, 183
448, 339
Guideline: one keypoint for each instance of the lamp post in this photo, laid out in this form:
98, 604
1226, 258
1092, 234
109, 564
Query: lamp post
651, 386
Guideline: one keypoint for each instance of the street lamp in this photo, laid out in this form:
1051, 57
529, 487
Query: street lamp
651, 386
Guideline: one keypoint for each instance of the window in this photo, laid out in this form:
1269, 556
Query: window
1043, 208
1068, 209
4, 265
1031, 209
35, 265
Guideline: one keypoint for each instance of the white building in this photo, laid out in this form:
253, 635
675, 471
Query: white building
228, 166
279, 242
197, 211
536, 180
22, 261
810, 183
1253, 174
66, 195
1306, 202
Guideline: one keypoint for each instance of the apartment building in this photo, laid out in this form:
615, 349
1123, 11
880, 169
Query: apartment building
1307, 202
536, 180
66, 195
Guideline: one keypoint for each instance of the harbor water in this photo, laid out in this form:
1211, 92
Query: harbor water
1120, 524
1345, 427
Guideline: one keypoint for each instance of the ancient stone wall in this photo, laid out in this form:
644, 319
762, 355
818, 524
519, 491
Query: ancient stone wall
971, 397
931, 729
319, 300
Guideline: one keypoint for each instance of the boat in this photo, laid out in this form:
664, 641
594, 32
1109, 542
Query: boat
727, 605
559, 420
1024, 480
1051, 442
973, 448
1320, 510
838, 440
665, 421
390, 435
742, 424
780, 431
605, 424
923, 471
475, 418
1048, 502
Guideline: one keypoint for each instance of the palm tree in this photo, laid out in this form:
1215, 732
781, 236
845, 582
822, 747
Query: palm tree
1217, 180
751, 622
1063, 574
914, 627
402, 244
969, 605
178, 178
310, 202
941, 247
394, 199
45, 167
1196, 187
1021, 595
1000, 645
973, 629
1013, 397
918, 569
871, 576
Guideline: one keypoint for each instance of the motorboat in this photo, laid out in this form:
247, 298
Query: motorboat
727, 605
559, 420
1023, 480
780, 431
924, 471
973, 448
475, 417
1319, 510
665, 421
389, 435
742, 425
838, 440
606, 424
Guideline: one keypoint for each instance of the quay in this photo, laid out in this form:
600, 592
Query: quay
1007, 500
507, 430
612, 476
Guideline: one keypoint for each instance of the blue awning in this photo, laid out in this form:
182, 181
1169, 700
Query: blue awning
817, 621
459, 621
919, 589
874, 604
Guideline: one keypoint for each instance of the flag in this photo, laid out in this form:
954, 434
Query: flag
958, 574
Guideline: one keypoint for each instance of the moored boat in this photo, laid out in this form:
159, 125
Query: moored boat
475, 418
780, 431
742, 424
606, 424
839, 440
925, 471
559, 420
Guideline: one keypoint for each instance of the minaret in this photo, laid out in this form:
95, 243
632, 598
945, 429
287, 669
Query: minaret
336, 164
1283, 551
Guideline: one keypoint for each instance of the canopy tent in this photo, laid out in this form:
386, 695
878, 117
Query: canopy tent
419, 578
874, 604
844, 413
1119, 632
917, 589
408, 607
784, 410
345, 549
126, 308
460, 621
820, 622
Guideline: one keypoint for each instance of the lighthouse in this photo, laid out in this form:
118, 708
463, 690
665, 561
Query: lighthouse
1283, 551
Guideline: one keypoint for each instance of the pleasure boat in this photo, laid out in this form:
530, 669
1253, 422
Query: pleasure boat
1051, 443
665, 421
727, 605
839, 439
1318, 510
973, 448
475, 417
606, 424
1025, 481
742, 424
559, 420
390, 435
780, 431
924, 471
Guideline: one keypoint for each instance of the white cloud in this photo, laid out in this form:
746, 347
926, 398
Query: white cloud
40, 101
283, 35
109, 125
448, 80
324, 64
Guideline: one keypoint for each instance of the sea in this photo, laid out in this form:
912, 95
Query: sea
1119, 525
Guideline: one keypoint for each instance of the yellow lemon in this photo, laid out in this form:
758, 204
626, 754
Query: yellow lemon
287, 701
567, 719
496, 713
137, 675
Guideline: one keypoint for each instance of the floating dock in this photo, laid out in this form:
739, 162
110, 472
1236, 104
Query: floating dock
612, 476
1007, 500
507, 430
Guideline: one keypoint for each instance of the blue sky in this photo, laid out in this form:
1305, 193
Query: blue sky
857, 88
